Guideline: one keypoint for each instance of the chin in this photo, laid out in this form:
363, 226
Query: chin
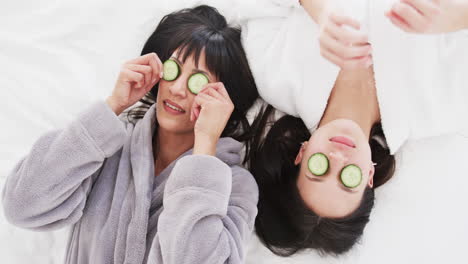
344, 127
175, 125
349, 125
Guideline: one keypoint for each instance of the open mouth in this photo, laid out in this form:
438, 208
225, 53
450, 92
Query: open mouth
344, 141
173, 107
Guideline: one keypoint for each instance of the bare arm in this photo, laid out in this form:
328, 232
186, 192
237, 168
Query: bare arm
314, 8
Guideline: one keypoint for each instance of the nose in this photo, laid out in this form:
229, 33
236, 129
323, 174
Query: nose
338, 157
178, 87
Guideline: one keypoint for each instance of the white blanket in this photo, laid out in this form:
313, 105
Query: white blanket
56, 57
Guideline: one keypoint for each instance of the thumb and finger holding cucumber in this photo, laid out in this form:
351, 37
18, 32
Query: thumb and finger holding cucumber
136, 78
211, 110
212, 105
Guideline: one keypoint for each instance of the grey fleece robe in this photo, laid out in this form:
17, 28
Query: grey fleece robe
97, 174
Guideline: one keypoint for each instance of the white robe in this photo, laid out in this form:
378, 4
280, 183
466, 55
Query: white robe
421, 80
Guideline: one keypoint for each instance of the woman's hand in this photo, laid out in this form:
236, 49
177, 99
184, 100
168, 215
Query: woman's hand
136, 79
211, 111
342, 43
429, 16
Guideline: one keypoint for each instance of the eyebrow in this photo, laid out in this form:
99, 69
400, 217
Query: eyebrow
313, 178
195, 70
317, 179
346, 189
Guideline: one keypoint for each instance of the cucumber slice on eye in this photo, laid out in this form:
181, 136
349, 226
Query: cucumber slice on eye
351, 176
196, 82
170, 70
318, 164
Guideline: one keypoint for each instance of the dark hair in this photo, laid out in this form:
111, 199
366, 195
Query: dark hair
284, 223
198, 29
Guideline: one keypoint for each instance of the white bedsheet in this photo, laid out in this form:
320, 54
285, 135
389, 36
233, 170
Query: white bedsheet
56, 57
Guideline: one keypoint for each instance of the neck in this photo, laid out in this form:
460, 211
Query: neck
168, 146
354, 97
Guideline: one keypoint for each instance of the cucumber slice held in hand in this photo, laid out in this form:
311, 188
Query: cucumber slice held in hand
170, 70
318, 164
196, 82
351, 176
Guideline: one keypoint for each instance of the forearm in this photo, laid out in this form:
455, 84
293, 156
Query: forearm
464, 16
204, 145
314, 8
455, 15
114, 106
48, 188
358, 79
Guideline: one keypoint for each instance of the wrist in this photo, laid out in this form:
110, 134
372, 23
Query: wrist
458, 15
114, 106
204, 145
315, 8
465, 15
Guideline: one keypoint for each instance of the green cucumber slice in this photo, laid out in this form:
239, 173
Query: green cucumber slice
318, 164
170, 70
196, 82
351, 176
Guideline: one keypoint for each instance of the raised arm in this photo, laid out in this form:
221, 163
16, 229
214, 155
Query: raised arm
209, 207
314, 8
48, 188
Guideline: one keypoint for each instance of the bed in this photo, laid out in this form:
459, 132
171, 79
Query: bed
57, 57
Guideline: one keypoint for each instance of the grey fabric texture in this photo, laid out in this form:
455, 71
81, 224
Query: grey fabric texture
96, 175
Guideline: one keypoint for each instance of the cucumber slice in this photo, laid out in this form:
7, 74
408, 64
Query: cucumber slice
318, 164
171, 70
351, 176
196, 82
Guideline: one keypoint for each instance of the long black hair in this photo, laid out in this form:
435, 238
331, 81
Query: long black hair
284, 223
198, 29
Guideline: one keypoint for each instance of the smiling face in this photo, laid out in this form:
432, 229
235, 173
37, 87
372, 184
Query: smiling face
343, 142
174, 100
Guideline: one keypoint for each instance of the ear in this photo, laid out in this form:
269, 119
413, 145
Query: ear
370, 182
300, 154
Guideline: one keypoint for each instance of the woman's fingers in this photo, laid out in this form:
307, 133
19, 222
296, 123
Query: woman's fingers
358, 62
342, 43
157, 64
196, 107
344, 51
344, 20
219, 86
427, 8
153, 61
399, 22
345, 35
212, 92
417, 16
131, 76
143, 69
415, 20
331, 57
198, 103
